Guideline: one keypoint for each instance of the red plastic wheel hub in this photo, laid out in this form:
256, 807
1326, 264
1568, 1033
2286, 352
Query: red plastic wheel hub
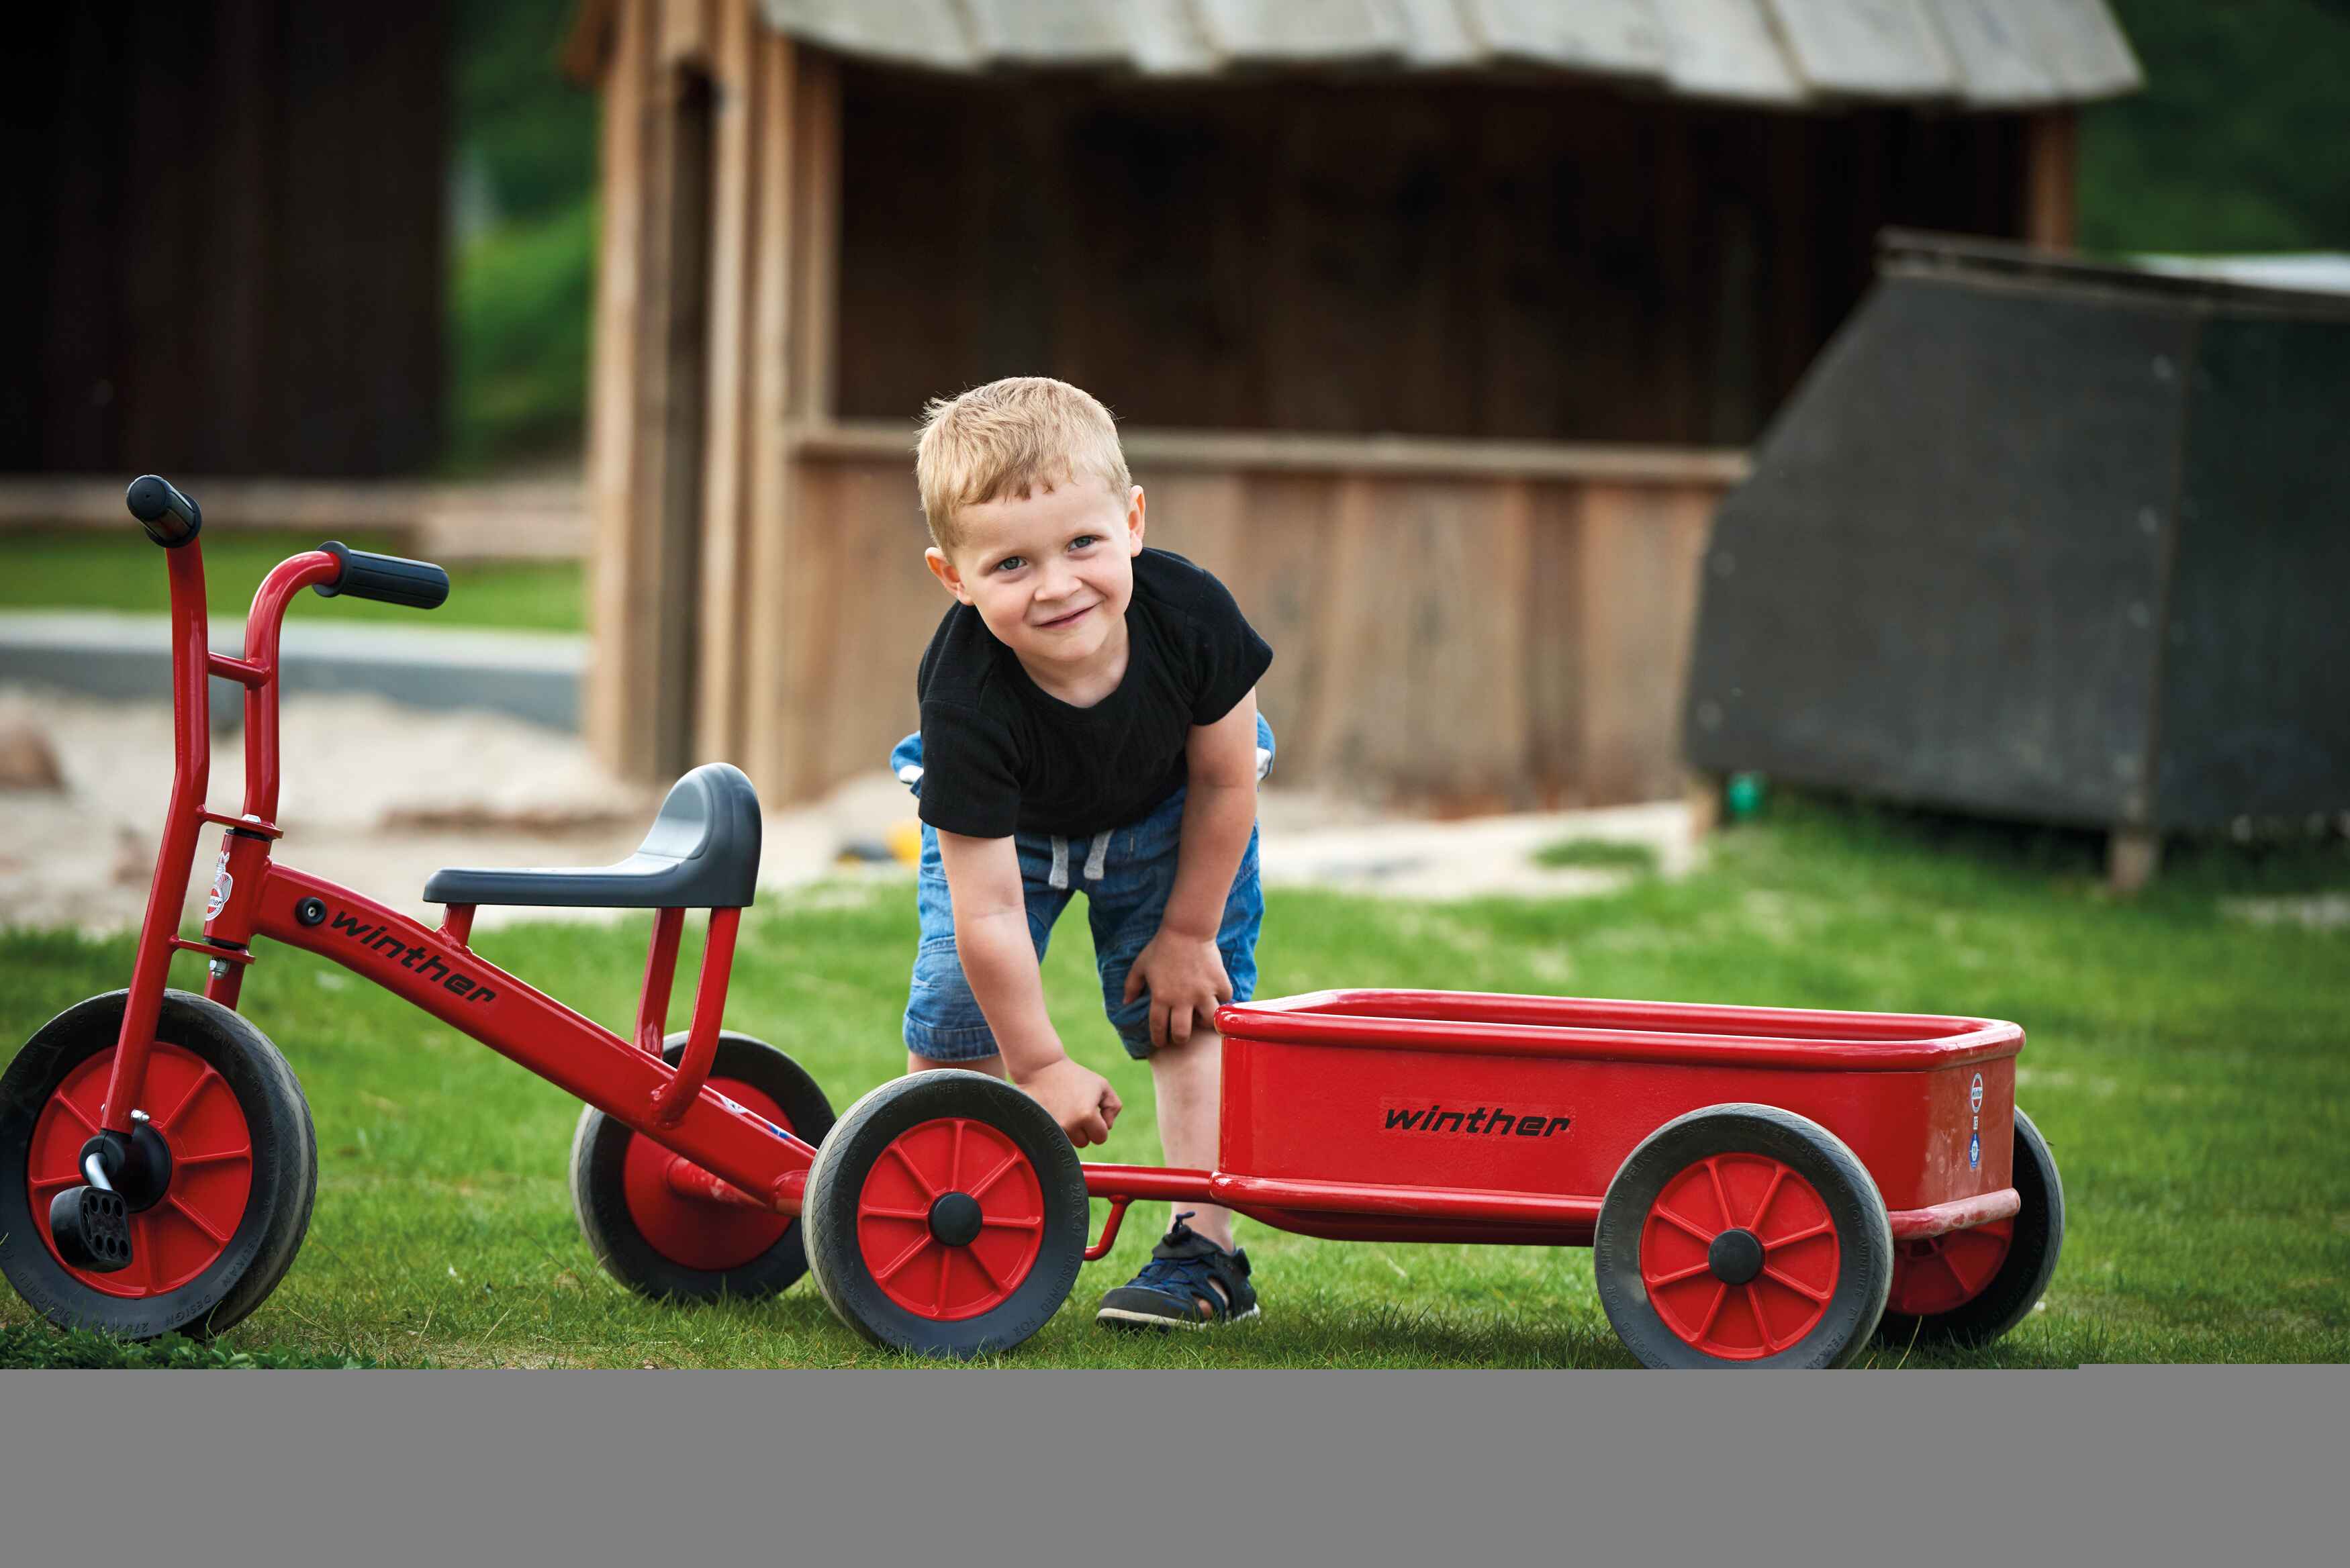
1766, 1310
1943, 1272
197, 1113
713, 1237
919, 1196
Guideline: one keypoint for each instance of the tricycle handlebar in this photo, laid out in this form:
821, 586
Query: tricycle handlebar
170, 518
394, 580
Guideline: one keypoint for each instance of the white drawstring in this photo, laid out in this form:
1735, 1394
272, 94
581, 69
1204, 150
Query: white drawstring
1097, 859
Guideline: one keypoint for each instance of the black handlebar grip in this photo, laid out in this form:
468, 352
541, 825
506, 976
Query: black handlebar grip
170, 518
394, 580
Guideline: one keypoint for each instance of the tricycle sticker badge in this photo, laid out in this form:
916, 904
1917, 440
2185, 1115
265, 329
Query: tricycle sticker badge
222, 883
1974, 1120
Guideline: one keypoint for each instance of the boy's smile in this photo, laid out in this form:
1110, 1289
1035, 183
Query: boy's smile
1051, 574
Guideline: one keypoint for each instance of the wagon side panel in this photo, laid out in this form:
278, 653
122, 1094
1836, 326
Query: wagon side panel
1451, 1120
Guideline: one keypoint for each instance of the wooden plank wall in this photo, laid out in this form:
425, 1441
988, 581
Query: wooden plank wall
225, 239
1459, 627
1504, 259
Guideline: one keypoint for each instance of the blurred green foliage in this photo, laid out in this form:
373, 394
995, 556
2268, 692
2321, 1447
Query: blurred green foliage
2237, 142
522, 296
534, 129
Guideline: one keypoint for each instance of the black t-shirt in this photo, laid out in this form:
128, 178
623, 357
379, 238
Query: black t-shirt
1001, 755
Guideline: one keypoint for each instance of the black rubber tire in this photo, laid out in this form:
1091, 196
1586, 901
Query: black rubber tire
277, 1210
1864, 1233
842, 1165
2023, 1276
599, 1148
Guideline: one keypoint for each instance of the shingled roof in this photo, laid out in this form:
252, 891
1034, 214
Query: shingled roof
1969, 54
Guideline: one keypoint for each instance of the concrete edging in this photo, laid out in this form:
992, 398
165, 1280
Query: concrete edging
531, 675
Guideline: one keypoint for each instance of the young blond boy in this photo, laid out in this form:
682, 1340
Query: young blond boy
1088, 721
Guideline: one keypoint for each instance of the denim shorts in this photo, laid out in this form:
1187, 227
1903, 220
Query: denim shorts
1126, 874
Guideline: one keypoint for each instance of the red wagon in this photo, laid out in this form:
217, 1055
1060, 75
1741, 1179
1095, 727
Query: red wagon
1760, 1185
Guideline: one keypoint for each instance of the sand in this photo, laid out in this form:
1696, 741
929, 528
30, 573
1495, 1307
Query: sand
377, 796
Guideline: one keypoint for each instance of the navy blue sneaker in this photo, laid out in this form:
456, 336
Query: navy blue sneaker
1190, 1282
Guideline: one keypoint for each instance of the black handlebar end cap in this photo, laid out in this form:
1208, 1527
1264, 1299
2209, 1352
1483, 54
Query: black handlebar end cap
170, 518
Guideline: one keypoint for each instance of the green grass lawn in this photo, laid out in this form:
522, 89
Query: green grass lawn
80, 569
2190, 1071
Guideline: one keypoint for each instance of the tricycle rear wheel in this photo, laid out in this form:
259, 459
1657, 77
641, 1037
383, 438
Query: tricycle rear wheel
243, 1169
671, 1248
1743, 1235
1969, 1287
946, 1215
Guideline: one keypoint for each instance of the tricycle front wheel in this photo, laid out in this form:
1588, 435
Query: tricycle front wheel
946, 1215
1969, 1287
1744, 1235
211, 1239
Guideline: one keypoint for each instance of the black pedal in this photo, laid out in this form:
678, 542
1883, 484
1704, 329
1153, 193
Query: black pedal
92, 1229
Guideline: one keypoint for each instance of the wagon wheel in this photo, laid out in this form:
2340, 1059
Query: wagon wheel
946, 1215
1744, 1235
222, 1211
672, 1247
1969, 1287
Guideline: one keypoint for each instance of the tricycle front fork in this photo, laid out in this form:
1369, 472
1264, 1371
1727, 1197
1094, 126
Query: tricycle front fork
193, 663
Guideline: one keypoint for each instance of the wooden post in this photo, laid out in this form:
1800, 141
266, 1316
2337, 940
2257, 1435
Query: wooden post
2133, 855
727, 485
1702, 791
812, 542
816, 236
2051, 146
613, 703
687, 26
791, 589
648, 403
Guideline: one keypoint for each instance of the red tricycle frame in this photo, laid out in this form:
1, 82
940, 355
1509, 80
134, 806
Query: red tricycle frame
760, 1164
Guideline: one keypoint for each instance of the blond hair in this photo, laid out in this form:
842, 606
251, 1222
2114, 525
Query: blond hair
1007, 440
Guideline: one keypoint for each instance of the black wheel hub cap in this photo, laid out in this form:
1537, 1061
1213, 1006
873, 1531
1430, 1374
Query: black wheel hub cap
954, 1219
1735, 1257
138, 1166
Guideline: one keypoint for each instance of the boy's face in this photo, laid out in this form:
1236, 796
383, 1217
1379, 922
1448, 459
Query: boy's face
1051, 574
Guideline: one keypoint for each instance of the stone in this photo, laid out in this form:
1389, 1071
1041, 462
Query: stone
27, 761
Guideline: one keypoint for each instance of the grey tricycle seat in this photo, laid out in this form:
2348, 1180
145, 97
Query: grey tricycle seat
703, 853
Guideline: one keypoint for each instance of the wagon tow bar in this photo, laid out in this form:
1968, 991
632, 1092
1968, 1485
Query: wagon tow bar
1109, 1228
91, 1224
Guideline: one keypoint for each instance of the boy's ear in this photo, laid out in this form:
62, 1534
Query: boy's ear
1134, 522
942, 567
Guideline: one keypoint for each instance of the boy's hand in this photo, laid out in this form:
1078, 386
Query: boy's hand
1079, 1098
1186, 978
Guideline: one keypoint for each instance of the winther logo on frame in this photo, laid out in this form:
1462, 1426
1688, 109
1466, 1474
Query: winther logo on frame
418, 958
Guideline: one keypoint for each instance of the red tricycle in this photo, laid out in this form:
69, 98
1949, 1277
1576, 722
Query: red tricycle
1760, 1185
